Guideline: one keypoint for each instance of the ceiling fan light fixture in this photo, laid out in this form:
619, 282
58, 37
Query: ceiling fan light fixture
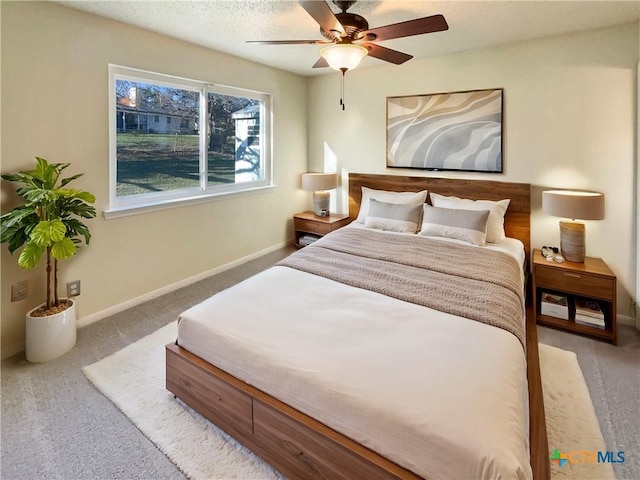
343, 55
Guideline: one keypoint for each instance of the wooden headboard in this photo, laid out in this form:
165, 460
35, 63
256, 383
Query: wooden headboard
517, 221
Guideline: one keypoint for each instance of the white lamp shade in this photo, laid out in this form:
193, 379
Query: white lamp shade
576, 205
343, 55
319, 181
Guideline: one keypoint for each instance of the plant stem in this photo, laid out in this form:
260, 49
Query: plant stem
48, 277
55, 282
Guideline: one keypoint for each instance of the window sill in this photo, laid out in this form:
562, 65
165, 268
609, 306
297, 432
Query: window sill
139, 208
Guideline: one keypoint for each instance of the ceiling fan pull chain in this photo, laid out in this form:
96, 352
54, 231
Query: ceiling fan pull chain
343, 70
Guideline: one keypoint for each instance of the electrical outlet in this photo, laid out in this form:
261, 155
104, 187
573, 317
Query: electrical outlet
19, 291
73, 288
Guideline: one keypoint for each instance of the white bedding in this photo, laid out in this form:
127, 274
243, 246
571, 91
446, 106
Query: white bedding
443, 396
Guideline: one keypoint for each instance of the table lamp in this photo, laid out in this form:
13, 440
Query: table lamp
576, 205
318, 183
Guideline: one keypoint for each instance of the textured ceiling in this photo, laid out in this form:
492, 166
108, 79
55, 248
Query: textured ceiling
226, 25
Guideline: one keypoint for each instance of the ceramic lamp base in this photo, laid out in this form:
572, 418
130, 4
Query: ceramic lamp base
572, 244
321, 203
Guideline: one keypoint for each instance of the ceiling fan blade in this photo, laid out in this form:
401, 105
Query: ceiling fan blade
322, 13
321, 63
290, 42
434, 23
386, 54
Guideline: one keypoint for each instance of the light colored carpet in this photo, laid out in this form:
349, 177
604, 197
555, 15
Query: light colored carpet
133, 379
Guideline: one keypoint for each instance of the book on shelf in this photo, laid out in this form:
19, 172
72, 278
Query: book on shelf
588, 309
307, 239
554, 306
590, 322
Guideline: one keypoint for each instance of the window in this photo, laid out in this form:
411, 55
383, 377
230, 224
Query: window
176, 140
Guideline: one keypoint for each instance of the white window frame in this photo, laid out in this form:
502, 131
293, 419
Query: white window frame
144, 202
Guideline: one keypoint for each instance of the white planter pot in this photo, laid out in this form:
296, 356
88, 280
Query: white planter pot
49, 337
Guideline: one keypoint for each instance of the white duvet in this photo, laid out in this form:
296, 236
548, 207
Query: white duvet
443, 396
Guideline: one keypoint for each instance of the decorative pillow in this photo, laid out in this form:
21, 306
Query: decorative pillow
404, 198
395, 217
467, 225
495, 225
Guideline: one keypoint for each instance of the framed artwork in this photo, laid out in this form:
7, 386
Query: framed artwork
446, 131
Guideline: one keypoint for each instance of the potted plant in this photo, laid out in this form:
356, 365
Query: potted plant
48, 224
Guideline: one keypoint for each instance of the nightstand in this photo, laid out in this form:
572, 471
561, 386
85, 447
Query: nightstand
591, 280
307, 223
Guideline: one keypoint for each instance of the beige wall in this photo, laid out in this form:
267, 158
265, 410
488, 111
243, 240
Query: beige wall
569, 122
54, 104
636, 311
570, 104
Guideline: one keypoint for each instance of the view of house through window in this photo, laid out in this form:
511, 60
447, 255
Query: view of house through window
185, 139
234, 153
157, 138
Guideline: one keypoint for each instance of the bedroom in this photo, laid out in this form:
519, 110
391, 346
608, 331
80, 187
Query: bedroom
584, 80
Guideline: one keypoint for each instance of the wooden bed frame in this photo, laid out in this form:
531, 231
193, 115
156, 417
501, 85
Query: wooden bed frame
300, 446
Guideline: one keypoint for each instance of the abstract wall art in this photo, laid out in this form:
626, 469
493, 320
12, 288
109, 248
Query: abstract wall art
446, 131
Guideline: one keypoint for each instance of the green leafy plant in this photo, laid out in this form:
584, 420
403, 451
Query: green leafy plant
49, 221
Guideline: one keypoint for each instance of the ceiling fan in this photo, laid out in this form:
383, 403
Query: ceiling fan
348, 37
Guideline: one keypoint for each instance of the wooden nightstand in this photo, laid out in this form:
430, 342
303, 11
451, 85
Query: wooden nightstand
307, 223
591, 280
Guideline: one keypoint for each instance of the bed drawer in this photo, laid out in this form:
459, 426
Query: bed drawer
220, 403
584, 284
304, 454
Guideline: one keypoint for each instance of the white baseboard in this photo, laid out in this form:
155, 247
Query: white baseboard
626, 320
12, 350
107, 312
16, 348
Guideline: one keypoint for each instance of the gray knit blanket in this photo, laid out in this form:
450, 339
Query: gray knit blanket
467, 281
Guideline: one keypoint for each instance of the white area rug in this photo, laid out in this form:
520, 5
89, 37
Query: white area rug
572, 425
133, 379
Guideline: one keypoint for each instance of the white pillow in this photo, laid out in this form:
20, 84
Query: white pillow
467, 225
495, 224
403, 198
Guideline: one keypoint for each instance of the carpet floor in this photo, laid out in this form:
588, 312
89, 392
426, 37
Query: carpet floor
57, 425
133, 379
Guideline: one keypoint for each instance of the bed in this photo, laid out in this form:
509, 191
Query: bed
326, 374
